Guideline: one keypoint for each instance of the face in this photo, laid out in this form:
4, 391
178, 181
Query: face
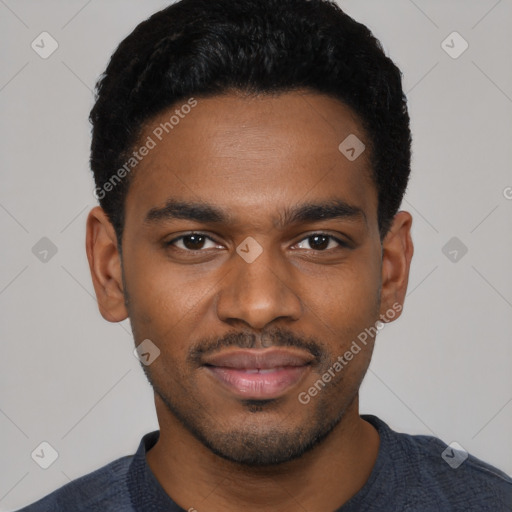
252, 261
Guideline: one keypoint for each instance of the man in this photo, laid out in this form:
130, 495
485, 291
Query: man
250, 160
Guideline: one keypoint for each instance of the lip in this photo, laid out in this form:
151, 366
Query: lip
259, 359
259, 374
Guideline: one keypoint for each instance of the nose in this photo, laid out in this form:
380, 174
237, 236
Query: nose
258, 293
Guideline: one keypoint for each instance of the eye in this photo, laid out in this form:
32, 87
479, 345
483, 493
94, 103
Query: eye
192, 242
197, 242
321, 242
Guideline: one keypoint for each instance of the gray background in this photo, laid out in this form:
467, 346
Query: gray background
70, 378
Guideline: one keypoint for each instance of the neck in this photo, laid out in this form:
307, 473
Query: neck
322, 479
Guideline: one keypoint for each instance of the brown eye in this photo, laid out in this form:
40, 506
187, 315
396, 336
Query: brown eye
322, 242
191, 242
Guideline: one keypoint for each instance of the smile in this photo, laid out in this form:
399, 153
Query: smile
259, 374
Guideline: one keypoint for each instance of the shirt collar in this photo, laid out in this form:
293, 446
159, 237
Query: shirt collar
146, 493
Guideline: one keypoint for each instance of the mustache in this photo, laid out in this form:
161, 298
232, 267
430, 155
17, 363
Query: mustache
276, 337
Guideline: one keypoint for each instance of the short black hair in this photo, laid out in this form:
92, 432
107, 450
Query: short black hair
204, 48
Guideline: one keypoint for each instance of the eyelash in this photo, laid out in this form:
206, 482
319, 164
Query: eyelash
337, 240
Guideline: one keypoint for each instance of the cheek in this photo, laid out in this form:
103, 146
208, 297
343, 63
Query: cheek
346, 296
344, 317
154, 296
168, 304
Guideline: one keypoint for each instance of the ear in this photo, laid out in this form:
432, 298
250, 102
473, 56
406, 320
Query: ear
105, 265
397, 251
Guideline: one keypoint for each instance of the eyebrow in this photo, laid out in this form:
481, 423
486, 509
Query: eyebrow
210, 214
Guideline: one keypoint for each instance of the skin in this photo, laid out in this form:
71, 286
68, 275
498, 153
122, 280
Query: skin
254, 157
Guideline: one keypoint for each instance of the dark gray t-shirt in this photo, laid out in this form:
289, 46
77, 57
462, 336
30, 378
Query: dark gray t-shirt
410, 474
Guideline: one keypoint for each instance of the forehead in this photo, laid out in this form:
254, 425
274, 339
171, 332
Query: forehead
258, 154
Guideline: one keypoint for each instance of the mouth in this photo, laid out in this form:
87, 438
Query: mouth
259, 374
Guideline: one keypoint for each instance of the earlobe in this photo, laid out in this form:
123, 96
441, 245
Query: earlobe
105, 266
397, 252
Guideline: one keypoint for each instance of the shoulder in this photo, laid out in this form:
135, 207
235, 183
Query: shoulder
447, 476
102, 490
